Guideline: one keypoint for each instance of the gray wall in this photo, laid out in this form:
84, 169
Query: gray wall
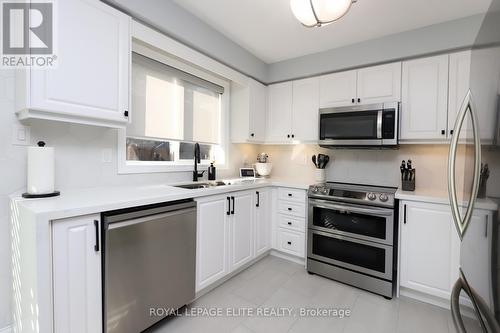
181, 25
437, 38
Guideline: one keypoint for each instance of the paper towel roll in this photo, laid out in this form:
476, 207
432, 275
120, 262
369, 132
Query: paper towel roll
40, 170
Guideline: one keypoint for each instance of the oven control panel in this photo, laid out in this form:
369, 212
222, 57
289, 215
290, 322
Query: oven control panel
352, 193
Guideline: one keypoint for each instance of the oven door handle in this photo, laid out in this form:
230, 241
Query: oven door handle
379, 124
350, 209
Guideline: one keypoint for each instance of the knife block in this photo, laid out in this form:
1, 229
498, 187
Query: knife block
409, 185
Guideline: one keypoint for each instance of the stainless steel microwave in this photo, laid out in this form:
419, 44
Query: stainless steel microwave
371, 126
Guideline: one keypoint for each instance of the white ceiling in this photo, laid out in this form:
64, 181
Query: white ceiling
268, 29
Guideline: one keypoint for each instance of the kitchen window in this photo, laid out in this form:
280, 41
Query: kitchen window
173, 106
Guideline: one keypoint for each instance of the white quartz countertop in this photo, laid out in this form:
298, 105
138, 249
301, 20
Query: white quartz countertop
84, 201
441, 197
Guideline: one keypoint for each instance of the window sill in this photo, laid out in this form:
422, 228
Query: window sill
134, 168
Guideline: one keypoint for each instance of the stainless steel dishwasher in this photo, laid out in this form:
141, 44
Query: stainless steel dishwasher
149, 263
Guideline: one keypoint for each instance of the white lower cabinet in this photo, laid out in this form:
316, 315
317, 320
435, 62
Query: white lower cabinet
231, 231
212, 247
77, 275
430, 247
241, 226
263, 210
291, 242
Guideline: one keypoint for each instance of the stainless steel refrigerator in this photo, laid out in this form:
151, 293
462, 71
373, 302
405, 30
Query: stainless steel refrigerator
475, 301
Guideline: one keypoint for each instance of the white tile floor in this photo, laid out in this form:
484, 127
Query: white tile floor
274, 282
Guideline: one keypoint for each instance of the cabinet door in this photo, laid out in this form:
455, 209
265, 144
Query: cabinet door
379, 84
241, 226
262, 221
91, 80
211, 241
429, 249
77, 275
305, 107
458, 86
338, 89
279, 124
258, 111
425, 99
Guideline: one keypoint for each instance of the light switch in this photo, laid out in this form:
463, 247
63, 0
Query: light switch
21, 135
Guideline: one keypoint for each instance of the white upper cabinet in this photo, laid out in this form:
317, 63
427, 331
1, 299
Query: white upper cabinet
305, 109
338, 89
425, 99
90, 83
364, 86
279, 125
248, 112
459, 78
379, 84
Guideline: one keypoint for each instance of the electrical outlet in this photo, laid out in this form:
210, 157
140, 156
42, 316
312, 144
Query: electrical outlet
21, 135
107, 154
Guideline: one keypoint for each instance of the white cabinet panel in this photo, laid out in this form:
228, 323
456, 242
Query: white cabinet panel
242, 226
291, 242
379, 84
212, 241
424, 99
279, 124
263, 221
258, 111
77, 275
430, 249
305, 109
338, 89
458, 86
91, 81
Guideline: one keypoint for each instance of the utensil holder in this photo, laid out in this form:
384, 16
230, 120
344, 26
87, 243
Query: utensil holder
409, 185
481, 193
320, 175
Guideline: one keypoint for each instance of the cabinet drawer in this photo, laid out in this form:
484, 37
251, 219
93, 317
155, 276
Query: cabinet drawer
291, 242
292, 223
292, 208
292, 195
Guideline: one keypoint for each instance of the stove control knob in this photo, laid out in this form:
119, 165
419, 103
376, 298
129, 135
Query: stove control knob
325, 190
314, 189
383, 197
371, 196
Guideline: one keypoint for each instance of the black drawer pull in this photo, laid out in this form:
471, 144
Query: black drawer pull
289, 209
228, 206
289, 223
290, 194
289, 243
232, 210
258, 199
96, 246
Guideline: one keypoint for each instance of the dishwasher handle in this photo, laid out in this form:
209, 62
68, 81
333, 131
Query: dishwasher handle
118, 225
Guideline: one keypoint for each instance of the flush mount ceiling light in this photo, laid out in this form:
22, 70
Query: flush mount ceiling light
316, 13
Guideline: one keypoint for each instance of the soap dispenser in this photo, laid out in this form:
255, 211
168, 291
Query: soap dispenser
211, 172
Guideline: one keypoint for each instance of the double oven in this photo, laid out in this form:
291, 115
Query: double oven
353, 242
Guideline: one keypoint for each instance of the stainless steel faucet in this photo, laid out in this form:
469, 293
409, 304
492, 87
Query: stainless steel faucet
197, 159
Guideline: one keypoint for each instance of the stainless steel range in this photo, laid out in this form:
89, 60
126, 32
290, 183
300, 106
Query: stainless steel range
352, 235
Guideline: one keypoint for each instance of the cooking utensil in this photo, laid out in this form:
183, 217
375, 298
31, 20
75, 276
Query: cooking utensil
314, 161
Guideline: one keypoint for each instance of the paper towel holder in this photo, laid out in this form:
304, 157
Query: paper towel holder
27, 195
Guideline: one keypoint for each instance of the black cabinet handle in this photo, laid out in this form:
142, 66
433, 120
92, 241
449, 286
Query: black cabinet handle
289, 223
125, 113
289, 194
96, 226
451, 132
359, 100
252, 135
443, 132
353, 101
232, 210
228, 206
404, 214
293, 135
289, 243
289, 209
288, 135
258, 199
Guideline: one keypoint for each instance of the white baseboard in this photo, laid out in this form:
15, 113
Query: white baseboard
7, 329
288, 257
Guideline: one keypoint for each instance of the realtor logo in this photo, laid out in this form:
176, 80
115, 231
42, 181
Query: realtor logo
28, 34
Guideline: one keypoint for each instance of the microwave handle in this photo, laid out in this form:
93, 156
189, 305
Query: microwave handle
379, 124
